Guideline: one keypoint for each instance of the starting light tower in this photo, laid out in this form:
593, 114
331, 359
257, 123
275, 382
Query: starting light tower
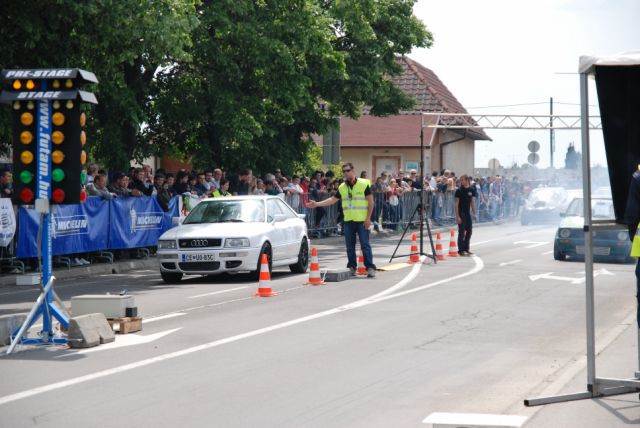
48, 162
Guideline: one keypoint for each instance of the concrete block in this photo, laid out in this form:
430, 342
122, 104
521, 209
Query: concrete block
9, 324
111, 305
337, 275
86, 331
28, 279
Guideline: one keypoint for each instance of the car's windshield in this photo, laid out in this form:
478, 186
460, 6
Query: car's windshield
600, 208
547, 194
225, 211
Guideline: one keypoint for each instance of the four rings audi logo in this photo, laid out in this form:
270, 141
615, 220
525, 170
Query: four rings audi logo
199, 242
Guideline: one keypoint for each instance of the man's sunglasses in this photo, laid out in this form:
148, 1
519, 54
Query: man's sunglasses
346, 170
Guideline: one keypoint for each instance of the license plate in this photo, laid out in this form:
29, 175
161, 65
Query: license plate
198, 257
597, 251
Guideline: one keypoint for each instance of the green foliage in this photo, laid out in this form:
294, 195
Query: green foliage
228, 83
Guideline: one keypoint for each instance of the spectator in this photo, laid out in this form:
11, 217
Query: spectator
201, 187
169, 181
137, 185
148, 176
294, 191
278, 174
181, 185
378, 190
92, 171
193, 180
416, 182
224, 189
120, 185
208, 180
272, 188
162, 191
99, 187
260, 188
6, 188
215, 181
239, 184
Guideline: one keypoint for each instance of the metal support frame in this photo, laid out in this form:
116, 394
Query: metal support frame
511, 121
596, 387
44, 306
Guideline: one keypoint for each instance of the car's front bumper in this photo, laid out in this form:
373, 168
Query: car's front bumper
208, 261
602, 248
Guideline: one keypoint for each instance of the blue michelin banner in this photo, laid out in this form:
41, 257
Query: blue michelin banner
136, 222
76, 228
98, 225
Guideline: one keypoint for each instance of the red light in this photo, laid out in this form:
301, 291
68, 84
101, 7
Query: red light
26, 195
83, 196
57, 196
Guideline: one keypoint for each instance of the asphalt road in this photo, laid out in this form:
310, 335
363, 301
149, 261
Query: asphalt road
466, 335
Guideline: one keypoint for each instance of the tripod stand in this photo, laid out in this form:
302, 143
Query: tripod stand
420, 210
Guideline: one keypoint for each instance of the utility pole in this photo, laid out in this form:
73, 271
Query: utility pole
552, 142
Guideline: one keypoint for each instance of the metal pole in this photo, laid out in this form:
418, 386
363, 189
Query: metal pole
552, 136
588, 249
422, 189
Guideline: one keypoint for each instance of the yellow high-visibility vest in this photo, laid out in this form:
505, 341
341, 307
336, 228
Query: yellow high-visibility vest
217, 194
354, 202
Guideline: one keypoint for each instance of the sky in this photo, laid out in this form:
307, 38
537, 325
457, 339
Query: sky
503, 52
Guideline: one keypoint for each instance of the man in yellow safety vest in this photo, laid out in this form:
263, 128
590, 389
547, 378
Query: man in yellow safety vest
357, 206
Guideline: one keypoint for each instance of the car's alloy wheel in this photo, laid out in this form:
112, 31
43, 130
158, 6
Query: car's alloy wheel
303, 258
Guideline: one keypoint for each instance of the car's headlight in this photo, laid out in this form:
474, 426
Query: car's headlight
623, 236
236, 242
564, 233
167, 245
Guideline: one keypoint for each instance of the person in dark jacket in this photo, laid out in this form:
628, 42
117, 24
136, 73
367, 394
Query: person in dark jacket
162, 191
137, 186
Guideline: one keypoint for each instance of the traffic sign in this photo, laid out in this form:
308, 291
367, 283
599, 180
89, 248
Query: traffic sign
533, 158
533, 146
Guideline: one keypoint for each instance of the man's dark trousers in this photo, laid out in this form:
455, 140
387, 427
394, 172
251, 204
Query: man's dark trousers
464, 232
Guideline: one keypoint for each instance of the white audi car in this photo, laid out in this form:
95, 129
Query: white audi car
230, 234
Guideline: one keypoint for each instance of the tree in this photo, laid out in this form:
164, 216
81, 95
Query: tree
572, 159
266, 74
123, 42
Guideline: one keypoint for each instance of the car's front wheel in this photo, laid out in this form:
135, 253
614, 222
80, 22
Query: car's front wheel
557, 254
266, 249
171, 277
303, 258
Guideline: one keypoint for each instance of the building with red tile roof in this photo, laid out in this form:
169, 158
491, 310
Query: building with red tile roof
392, 143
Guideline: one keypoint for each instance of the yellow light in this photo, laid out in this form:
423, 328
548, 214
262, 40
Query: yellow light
57, 157
30, 85
55, 84
26, 157
69, 104
83, 157
17, 84
68, 83
83, 119
56, 105
58, 118
83, 138
30, 105
57, 137
26, 118
16, 105
26, 137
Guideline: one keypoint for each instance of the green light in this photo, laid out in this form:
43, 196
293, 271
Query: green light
83, 177
26, 177
57, 175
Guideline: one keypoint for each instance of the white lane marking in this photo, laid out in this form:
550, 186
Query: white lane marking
217, 292
123, 340
474, 420
512, 262
120, 369
532, 244
484, 242
546, 253
548, 275
162, 317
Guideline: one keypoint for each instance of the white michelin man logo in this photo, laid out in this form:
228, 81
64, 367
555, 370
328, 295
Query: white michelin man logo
133, 215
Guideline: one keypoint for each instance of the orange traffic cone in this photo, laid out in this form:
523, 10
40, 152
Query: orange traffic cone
453, 245
314, 269
414, 256
361, 269
264, 285
439, 250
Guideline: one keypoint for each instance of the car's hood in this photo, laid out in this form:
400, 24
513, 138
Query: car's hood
572, 222
216, 230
